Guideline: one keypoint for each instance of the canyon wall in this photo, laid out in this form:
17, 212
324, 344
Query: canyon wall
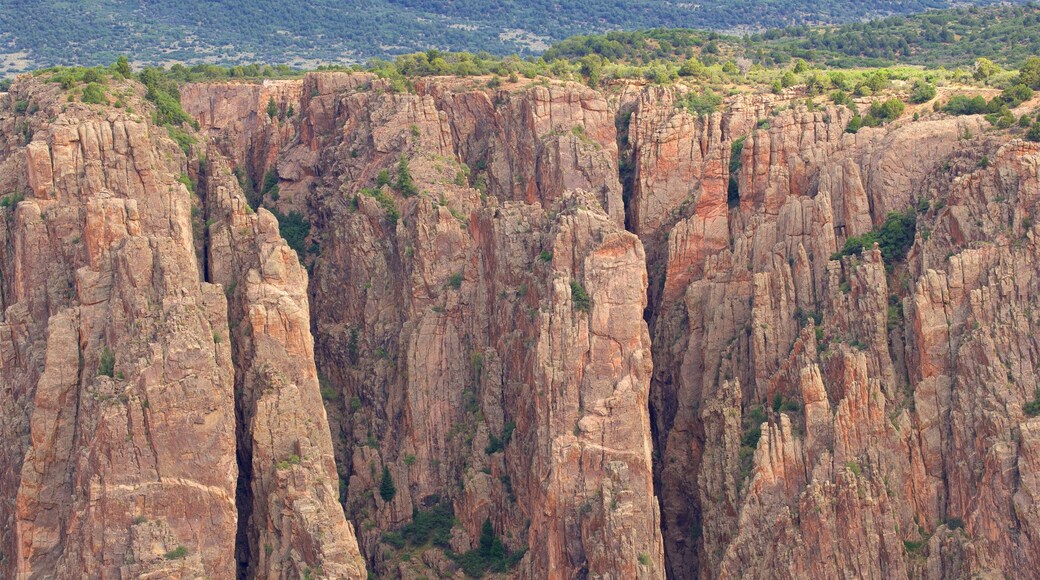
540, 329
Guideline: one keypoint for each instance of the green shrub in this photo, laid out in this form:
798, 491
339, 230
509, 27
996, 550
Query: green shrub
495, 443
163, 92
394, 539
705, 103
751, 436
1029, 74
490, 556
270, 181
840, 97
733, 191
964, 105
106, 363
1015, 95
881, 113
178, 553
181, 137
913, 547
430, 526
293, 459
405, 184
1032, 408
1034, 132
894, 238
12, 200
95, 94
455, 280
1002, 118
855, 124
386, 202
954, 523
122, 66
580, 297
387, 489
922, 92
328, 392
272, 108
294, 228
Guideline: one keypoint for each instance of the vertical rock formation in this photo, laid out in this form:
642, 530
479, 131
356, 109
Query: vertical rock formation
117, 401
480, 331
124, 382
479, 328
853, 452
291, 520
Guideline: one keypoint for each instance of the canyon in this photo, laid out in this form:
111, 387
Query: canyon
586, 333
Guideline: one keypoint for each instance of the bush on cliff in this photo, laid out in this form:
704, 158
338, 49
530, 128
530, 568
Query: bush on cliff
294, 228
163, 92
490, 556
1032, 408
894, 238
701, 104
580, 297
95, 95
106, 363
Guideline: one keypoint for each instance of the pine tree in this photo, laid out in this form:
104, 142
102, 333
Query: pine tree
491, 548
387, 489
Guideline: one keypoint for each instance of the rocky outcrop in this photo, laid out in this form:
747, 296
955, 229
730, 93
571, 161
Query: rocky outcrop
835, 447
120, 366
116, 399
295, 522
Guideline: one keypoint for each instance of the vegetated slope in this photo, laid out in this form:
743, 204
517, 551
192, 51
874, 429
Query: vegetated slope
1006, 34
94, 31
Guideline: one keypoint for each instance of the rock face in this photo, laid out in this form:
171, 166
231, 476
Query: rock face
542, 331
123, 366
481, 336
805, 428
294, 517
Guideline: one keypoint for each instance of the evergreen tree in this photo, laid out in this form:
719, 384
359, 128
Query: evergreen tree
387, 489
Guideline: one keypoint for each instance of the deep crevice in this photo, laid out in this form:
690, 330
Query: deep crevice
244, 556
626, 167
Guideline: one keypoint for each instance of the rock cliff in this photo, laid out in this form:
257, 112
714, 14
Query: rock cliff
536, 330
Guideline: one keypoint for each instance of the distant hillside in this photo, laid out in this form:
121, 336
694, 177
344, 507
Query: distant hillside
36, 33
1006, 34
